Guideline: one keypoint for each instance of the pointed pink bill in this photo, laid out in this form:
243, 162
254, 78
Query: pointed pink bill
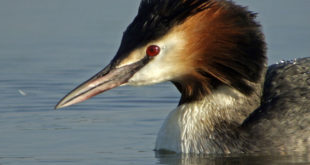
108, 78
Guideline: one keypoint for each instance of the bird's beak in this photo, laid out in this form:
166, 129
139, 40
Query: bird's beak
110, 77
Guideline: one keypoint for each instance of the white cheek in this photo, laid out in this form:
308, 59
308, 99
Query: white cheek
156, 71
164, 67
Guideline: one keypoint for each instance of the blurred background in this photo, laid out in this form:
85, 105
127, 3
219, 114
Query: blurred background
49, 47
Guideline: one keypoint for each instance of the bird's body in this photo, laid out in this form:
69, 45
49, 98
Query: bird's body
205, 126
213, 51
279, 124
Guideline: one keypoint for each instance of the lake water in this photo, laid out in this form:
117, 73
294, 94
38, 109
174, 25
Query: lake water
49, 47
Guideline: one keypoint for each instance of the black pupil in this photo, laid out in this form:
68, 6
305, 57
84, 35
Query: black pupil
153, 49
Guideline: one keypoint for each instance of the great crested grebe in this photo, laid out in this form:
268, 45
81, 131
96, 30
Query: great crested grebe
213, 51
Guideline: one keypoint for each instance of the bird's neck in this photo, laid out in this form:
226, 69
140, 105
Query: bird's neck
208, 125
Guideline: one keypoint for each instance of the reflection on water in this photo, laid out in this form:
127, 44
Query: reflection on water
49, 47
232, 159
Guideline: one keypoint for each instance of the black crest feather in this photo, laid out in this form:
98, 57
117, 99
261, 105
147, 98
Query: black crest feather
155, 18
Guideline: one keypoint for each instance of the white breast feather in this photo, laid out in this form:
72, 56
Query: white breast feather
185, 128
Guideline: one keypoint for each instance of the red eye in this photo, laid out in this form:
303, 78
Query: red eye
153, 50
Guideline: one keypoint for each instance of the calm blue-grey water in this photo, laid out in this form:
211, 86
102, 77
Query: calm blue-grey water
47, 47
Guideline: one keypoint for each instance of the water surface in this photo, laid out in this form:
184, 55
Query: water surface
49, 47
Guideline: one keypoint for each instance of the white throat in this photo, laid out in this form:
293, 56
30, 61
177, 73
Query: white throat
198, 127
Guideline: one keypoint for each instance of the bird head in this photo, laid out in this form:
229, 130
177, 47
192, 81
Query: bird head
198, 45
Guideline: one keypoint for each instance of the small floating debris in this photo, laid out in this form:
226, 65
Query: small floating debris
22, 92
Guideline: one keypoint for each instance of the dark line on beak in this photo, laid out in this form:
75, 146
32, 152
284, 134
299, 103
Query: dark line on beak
88, 91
